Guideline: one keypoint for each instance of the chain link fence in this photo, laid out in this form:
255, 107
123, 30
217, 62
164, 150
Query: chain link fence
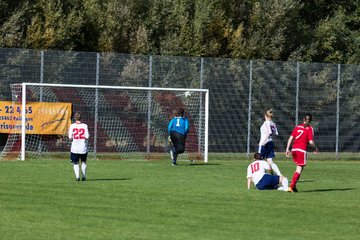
240, 92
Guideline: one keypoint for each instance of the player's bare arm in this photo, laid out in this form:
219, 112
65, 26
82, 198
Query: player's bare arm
249, 183
288, 146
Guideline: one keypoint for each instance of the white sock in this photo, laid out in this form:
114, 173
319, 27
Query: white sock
172, 154
83, 169
275, 168
77, 170
285, 183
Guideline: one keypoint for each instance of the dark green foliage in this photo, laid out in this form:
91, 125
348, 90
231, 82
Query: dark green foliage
321, 31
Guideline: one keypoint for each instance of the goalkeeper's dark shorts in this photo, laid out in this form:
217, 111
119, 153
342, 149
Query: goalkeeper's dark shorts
76, 157
178, 141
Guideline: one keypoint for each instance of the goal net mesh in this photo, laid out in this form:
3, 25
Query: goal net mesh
123, 123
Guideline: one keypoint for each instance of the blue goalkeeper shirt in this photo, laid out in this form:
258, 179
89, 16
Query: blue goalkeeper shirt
180, 125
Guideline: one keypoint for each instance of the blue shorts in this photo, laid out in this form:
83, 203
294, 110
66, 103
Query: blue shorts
76, 157
268, 182
267, 151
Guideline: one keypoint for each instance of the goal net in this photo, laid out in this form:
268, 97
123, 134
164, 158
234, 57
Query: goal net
124, 122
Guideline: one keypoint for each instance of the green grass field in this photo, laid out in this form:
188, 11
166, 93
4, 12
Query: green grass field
40, 199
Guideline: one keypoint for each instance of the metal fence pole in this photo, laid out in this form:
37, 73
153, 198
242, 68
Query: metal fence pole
41, 88
97, 79
297, 93
337, 111
249, 108
149, 108
201, 101
41, 73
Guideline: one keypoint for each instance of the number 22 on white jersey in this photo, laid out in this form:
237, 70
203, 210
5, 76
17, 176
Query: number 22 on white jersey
78, 133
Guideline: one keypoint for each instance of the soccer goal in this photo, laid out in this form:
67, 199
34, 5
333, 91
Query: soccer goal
124, 122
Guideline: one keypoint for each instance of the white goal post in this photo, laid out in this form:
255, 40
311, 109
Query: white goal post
122, 120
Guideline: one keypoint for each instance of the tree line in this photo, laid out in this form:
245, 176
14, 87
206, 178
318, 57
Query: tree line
285, 30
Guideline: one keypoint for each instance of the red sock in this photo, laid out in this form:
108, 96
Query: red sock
294, 179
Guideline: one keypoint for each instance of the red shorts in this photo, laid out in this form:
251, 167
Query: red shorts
299, 157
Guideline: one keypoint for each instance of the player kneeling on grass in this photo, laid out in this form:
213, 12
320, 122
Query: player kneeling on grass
79, 135
256, 173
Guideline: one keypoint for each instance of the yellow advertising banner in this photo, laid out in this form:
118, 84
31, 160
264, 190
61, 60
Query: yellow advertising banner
40, 117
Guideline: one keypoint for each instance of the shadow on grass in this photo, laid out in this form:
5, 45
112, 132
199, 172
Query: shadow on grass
305, 180
107, 179
199, 164
329, 190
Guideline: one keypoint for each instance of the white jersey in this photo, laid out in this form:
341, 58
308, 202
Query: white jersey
256, 170
267, 130
78, 133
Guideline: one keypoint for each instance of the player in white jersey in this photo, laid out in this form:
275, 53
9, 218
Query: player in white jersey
266, 145
256, 173
78, 135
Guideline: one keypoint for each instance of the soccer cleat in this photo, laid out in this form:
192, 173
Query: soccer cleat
295, 189
78, 179
290, 190
174, 164
83, 179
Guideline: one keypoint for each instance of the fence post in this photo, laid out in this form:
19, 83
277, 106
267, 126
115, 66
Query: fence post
97, 79
337, 111
249, 108
201, 100
41, 73
148, 143
41, 88
297, 93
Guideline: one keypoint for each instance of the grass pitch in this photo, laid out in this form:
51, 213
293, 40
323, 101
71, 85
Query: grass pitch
40, 199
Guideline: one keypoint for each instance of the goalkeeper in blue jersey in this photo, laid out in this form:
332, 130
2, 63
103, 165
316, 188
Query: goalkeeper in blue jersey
178, 129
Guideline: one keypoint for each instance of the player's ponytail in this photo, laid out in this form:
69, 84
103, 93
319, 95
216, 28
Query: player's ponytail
308, 116
269, 113
181, 112
257, 156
